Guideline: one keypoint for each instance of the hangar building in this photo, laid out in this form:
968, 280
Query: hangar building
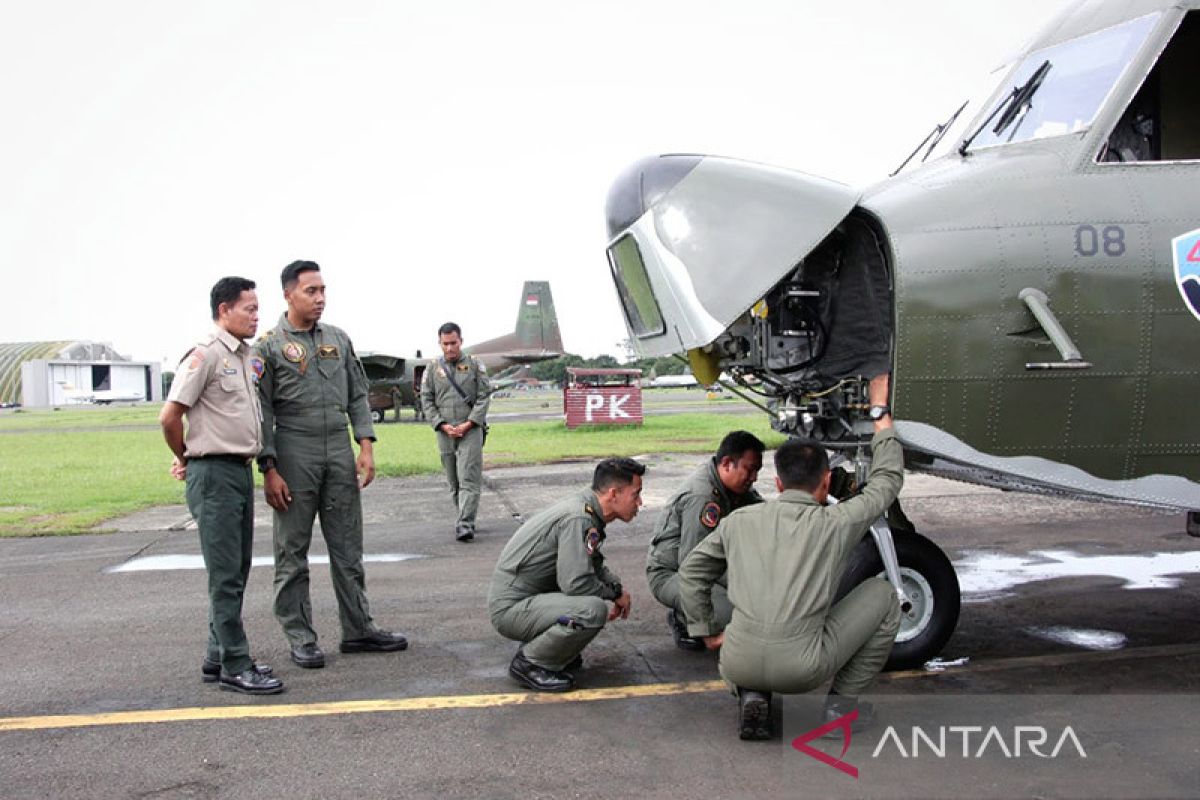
44, 374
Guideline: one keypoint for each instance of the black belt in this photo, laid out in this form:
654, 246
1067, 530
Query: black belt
243, 460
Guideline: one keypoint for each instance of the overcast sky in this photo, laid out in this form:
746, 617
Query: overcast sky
430, 156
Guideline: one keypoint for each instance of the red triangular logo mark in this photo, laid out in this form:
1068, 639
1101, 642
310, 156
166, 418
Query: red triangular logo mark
1194, 253
801, 743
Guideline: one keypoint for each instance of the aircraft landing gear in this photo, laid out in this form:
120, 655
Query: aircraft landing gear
927, 579
377, 415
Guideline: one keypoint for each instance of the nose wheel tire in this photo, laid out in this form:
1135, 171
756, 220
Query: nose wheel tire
927, 578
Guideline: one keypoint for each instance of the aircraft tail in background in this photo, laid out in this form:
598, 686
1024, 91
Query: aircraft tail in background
536, 337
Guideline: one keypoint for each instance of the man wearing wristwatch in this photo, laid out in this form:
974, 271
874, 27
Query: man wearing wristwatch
309, 383
784, 560
550, 587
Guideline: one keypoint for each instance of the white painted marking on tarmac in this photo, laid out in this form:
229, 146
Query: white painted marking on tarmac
988, 576
163, 563
1080, 637
940, 665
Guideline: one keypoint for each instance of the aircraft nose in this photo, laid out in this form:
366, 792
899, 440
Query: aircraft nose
641, 186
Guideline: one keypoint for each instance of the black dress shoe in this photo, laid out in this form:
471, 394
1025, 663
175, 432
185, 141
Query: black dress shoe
251, 682
375, 642
463, 533
308, 655
539, 679
838, 706
680, 635
211, 670
754, 714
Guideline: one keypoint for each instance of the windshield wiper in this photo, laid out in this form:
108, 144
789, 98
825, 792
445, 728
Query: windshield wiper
936, 134
1016, 102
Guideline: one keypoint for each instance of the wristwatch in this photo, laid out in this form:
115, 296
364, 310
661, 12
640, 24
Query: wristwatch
879, 412
266, 464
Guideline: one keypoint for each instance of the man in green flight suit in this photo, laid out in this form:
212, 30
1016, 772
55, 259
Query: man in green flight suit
310, 381
785, 559
721, 484
455, 396
550, 584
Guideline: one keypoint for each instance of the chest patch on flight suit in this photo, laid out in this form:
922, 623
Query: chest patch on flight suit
328, 351
293, 352
257, 366
464, 367
592, 540
710, 515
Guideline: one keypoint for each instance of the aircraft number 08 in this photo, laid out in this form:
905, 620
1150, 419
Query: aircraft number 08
1110, 239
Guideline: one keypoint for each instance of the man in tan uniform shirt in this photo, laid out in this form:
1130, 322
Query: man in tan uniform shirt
214, 388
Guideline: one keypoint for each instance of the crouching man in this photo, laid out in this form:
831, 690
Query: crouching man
551, 589
784, 560
722, 484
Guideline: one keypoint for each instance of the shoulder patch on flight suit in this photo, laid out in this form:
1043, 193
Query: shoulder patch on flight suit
710, 515
257, 367
592, 540
328, 351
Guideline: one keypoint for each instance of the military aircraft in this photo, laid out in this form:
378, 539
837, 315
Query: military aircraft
1031, 282
535, 338
396, 380
100, 397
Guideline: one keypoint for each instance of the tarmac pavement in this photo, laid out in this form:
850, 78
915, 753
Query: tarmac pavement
83, 640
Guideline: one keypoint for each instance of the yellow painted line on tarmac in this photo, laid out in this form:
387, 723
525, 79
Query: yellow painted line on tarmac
276, 711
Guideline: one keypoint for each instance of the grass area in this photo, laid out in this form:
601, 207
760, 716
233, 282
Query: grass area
65, 472
48, 419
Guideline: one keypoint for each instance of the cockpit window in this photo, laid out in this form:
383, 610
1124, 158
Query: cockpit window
1162, 123
633, 287
1065, 95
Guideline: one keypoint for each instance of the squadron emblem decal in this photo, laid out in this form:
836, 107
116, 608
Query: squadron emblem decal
1185, 251
593, 541
710, 516
293, 352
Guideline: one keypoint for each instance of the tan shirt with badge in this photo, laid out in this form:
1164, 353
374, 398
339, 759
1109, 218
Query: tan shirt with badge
216, 384
556, 550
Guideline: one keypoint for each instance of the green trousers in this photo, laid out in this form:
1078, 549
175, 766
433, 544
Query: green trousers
554, 627
462, 459
320, 473
850, 646
220, 496
664, 586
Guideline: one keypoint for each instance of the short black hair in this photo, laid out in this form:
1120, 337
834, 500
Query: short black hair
616, 472
801, 464
449, 328
227, 290
291, 273
736, 443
